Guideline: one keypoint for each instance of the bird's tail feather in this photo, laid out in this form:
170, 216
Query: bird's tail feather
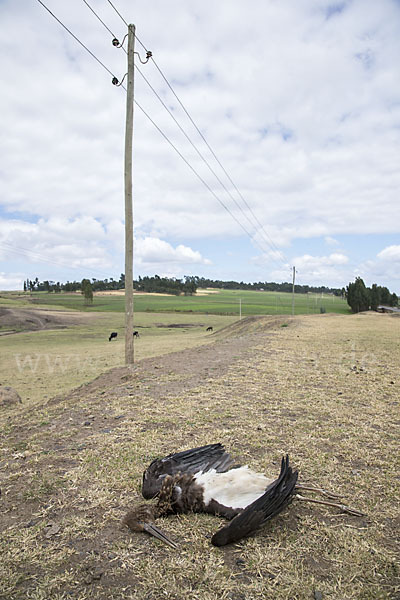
276, 496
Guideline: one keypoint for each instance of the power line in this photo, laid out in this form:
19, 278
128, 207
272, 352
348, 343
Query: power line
176, 122
76, 39
260, 227
271, 243
158, 129
264, 233
212, 151
36, 257
194, 170
101, 21
203, 158
119, 14
153, 122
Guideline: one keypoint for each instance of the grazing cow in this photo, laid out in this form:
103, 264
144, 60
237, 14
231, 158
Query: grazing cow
136, 334
209, 329
112, 336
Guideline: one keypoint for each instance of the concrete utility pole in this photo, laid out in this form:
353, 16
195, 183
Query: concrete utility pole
294, 278
129, 353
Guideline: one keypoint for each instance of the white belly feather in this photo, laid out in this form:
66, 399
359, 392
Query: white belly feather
237, 488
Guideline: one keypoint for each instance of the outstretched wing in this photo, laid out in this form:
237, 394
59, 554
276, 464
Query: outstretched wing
272, 502
203, 459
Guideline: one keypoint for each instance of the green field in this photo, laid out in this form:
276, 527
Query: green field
221, 302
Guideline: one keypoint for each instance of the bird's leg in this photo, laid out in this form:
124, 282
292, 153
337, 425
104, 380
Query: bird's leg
342, 507
308, 488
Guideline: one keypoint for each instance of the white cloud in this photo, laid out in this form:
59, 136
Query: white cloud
391, 253
11, 281
384, 269
313, 264
151, 250
57, 241
305, 118
337, 259
330, 241
317, 270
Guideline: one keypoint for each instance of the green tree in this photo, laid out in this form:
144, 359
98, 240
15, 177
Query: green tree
358, 296
189, 287
87, 291
375, 297
385, 296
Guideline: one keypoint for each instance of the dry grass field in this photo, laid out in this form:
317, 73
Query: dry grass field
53, 351
323, 388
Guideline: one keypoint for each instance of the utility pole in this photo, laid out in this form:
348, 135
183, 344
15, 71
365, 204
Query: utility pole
129, 353
294, 278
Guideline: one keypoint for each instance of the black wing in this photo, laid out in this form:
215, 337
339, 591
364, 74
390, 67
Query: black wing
203, 458
272, 502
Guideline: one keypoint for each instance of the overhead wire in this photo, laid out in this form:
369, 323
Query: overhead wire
260, 225
193, 169
148, 116
118, 13
76, 39
158, 129
252, 236
99, 18
217, 159
36, 256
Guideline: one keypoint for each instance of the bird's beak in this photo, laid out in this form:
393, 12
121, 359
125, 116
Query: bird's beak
153, 530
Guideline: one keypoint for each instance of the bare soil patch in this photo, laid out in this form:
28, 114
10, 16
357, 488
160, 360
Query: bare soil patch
14, 320
179, 325
324, 388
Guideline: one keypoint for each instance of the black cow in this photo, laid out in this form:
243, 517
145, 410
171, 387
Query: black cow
112, 336
209, 329
136, 334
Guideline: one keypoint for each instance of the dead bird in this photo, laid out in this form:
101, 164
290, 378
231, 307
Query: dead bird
205, 479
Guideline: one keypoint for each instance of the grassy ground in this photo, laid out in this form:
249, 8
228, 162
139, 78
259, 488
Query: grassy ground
42, 364
323, 388
220, 302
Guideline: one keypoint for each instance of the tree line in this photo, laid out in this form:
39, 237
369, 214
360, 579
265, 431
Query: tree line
97, 285
267, 286
360, 298
156, 284
171, 285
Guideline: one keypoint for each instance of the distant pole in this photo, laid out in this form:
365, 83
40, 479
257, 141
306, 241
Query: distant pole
294, 278
129, 354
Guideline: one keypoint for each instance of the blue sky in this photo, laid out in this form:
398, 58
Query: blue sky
299, 100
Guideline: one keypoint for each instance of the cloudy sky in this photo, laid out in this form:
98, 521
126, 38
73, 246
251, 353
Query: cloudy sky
298, 99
